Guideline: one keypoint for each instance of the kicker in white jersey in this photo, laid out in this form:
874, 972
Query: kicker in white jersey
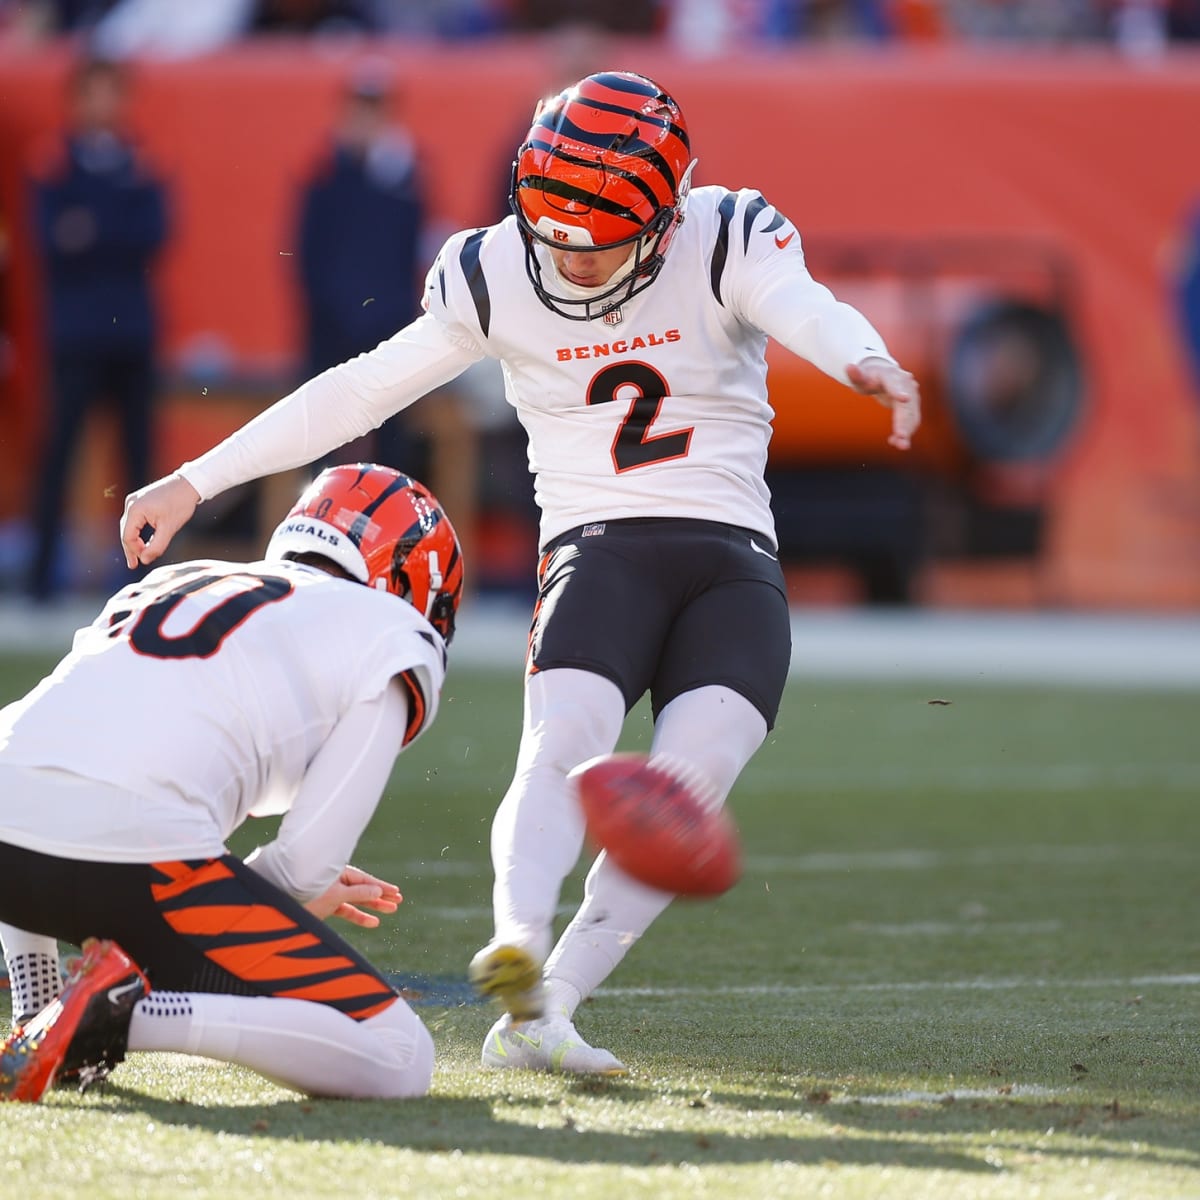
660, 407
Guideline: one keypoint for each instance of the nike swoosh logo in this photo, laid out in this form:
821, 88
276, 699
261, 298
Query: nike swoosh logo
115, 993
535, 1043
759, 550
781, 242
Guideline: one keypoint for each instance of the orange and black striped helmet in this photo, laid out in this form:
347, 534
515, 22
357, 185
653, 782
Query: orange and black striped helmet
383, 528
606, 163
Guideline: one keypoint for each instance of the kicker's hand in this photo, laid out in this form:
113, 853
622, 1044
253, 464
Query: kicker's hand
894, 388
351, 889
153, 516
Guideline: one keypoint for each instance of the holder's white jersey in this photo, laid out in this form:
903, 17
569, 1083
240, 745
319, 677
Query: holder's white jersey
659, 409
200, 696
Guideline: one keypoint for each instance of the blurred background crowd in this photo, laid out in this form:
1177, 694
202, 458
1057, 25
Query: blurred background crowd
182, 27
203, 204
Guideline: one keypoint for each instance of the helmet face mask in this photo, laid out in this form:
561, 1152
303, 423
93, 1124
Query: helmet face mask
607, 163
385, 530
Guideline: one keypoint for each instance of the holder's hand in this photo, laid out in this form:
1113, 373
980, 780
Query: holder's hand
351, 889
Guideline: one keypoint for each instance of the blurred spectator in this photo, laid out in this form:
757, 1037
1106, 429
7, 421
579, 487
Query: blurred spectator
1139, 27
1145, 28
450, 19
704, 28
1047, 21
362, 230
59, 16
314, 16
100, 222
1183, 20
627, 17
827, 20
168, 28
180, 28
359, 241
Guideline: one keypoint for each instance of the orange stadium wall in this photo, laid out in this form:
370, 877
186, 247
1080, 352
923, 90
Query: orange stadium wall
1082, 159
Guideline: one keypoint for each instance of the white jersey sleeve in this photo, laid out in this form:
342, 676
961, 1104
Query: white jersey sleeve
200, 697
333, 408
760, 272
337, 797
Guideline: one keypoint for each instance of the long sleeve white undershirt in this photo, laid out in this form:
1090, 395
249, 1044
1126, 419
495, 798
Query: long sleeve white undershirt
338, 797
805, 316
334, 407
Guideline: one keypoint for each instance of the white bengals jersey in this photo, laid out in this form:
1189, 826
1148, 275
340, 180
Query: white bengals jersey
199, 697
658, 409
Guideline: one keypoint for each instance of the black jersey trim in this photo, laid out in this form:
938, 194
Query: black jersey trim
752, 210
721, 248
469, 261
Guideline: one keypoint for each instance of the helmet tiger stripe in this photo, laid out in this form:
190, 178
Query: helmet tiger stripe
606, 163
386, 530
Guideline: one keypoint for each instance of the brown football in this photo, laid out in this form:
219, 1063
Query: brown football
658, 825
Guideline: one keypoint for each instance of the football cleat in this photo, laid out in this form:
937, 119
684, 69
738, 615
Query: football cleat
551, 1044
510, 976
84, 1032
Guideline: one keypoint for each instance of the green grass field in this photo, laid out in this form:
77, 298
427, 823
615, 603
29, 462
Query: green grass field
963, 961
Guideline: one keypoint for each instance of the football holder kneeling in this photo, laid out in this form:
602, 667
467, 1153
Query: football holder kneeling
659, 821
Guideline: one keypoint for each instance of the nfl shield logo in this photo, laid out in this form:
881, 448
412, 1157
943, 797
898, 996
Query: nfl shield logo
612, 317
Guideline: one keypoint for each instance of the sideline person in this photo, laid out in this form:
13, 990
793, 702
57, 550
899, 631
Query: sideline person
100, 224
631, 315
205, 694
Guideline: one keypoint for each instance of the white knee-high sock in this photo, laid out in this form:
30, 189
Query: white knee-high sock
310, 1047
537, 833
717, 731
615, 912
31, 960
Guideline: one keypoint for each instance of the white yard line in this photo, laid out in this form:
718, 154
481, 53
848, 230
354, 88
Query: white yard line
957, 928
1026, 777
904, 859
918, 985
1059, 777
983, 856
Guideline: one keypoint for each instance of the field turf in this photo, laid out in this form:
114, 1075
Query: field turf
963, 962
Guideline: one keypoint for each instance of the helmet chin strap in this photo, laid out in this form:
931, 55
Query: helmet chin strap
572, 291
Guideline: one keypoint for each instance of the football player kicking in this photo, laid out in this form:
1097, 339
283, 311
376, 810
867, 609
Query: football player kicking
205, 694
631, 315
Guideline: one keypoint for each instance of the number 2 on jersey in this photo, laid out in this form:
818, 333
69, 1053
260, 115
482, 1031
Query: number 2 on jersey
634, 446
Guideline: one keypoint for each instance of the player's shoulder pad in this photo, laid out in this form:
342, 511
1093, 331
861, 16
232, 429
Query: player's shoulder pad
456, 286
748, 228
